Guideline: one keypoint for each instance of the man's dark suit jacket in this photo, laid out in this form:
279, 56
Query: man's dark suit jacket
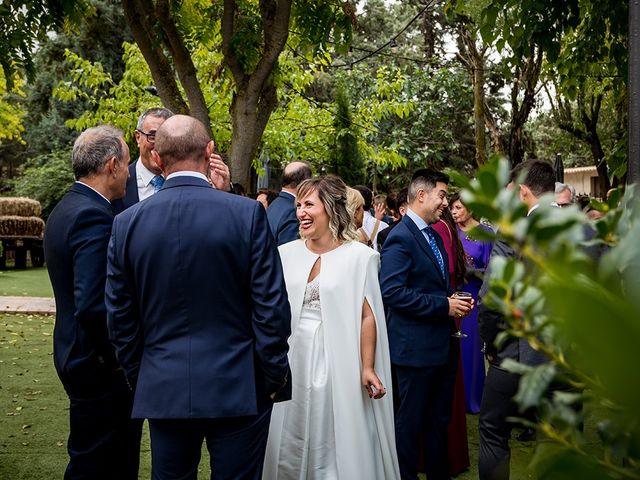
282, 219
75, 247
383, 234
197, 305
415, 294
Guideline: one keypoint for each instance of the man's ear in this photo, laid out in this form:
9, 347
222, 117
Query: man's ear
155, 158
112, 165
211, 147
525, 192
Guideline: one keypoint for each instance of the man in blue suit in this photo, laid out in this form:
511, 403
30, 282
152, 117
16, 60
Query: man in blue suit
282, 211
145, 177
198, 313
104, 443
414, 281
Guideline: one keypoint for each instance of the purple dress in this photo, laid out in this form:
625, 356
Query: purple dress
477, 254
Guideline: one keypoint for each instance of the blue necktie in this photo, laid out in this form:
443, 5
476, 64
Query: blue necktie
157, 183
436, 250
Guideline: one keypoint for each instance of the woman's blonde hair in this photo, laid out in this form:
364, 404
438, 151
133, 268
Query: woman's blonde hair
332, 192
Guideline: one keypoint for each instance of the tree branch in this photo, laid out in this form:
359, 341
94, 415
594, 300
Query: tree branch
141, 26
230, 58
183, 63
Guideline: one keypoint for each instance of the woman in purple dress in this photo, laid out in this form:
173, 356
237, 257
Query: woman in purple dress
477, 255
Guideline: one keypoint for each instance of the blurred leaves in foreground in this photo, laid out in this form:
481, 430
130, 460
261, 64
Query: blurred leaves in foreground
573, 291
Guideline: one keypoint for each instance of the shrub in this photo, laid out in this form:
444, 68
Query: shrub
581, 310
46, 179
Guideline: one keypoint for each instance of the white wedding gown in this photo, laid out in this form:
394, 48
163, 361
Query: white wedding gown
331, 429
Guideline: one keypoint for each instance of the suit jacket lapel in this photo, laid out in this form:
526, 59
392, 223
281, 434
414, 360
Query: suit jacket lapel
419, 237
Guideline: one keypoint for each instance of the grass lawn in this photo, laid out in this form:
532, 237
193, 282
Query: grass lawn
31, 282
34, 415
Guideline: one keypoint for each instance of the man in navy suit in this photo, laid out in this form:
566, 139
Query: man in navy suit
414, 281
282, 211
104, 443
198, 313
145, 177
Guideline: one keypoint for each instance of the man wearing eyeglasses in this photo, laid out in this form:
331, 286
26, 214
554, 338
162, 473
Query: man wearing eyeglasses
145, 177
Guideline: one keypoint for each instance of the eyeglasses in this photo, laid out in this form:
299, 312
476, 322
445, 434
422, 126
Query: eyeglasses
151, 136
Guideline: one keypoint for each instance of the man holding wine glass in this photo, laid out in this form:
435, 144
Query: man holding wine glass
415, 287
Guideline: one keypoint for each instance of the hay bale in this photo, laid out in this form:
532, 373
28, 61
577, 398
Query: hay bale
19, 207
15, 226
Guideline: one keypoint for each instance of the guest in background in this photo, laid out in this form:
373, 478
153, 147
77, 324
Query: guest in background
265, 197
355, 207
401, 208
565, 194
371, 224
282, 211
380, 203
458, 446
477, 255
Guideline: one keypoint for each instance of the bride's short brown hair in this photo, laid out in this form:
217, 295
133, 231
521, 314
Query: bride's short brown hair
332, 192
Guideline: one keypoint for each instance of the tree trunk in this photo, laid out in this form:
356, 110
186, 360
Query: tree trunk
183, 64
255, 97
145, 19
526, 77
483, 120
248, 119
588, 131
141, 24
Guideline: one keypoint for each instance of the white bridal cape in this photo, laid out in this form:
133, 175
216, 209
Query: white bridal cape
352, 434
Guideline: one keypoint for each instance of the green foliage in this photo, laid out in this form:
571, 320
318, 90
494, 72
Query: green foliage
47, 179
347, 160
24, 23
559, 293
548, 139
11, 113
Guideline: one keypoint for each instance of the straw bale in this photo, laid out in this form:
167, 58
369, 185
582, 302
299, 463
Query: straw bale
15, 226
19, 206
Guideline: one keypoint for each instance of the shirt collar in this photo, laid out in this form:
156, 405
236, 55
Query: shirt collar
188, 173
420, 223
89, 186
144, 173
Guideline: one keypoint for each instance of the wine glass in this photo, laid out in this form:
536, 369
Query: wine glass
463, 296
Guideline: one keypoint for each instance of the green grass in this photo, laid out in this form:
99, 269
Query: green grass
30, 282
34, 411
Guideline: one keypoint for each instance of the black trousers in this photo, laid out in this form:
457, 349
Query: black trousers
494, 430
424, 398
236, 446
104, 442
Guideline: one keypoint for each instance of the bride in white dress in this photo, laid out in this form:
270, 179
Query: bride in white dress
339, 422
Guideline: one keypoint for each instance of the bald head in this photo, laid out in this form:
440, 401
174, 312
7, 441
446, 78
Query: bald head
182, 138
295, 173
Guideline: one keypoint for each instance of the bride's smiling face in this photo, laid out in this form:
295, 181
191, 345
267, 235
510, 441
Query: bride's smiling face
313, 218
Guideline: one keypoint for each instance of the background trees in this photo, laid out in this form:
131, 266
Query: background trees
398, 85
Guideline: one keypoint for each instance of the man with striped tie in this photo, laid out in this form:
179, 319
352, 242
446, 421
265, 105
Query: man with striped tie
415, 287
